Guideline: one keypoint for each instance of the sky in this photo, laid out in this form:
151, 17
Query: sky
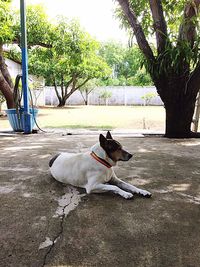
96, 16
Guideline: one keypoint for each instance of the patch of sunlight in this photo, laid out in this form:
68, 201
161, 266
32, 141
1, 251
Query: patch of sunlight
191, 199
21, 148
9, 138
192, 143
179, 187
66, 265
44, 156
143, 150
196, 172
139, 181
18, 169
161, 191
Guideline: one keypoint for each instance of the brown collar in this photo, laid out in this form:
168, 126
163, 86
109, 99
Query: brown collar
102, 161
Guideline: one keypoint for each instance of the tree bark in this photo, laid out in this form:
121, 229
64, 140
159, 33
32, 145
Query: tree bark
6, 91
178, 119
187, 30
4, 69
61, 103
138, 31
6, 84
159, 24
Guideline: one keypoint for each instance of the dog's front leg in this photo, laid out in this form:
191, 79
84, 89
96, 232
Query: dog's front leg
102, 188
128, 187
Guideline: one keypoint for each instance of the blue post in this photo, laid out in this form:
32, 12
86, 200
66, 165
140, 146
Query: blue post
27, 115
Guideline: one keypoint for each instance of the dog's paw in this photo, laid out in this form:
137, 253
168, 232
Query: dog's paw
127, 195
144, 193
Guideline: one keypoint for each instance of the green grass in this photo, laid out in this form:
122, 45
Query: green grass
78, 126
103, 117
100, 117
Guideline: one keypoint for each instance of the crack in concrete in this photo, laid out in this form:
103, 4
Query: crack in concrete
62, 217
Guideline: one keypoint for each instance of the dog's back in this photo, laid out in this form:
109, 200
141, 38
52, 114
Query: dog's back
78, 169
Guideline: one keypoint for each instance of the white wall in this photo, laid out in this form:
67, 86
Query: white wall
121, 95
13, 67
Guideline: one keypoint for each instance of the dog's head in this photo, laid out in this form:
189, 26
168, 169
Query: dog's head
113, 148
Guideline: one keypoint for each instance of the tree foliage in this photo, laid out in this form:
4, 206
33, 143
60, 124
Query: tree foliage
71, 61
39, 28
126, 65
87, 88
6, 22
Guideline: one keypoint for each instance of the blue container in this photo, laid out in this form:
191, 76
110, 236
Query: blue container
17, 119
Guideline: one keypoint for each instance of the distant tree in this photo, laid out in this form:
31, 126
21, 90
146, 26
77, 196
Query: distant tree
87, 88
131, 63
141, 78
105, 95
36, 87
71, 61
113, 53
148, 97
126, 64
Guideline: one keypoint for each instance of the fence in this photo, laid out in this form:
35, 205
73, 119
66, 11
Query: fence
120, 95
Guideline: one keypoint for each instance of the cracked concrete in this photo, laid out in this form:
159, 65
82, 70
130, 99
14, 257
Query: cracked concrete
67, 203
44, 223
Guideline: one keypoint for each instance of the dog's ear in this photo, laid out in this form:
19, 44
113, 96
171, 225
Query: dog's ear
102, 141
108, 135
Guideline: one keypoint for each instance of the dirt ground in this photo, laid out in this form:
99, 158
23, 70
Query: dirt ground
44, 223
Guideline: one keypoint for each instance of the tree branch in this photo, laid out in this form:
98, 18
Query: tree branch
73, 80
138, 31
56, 89
160, 25
84, 98
82, 83
74, 88
67, 85
17, 41
187, 30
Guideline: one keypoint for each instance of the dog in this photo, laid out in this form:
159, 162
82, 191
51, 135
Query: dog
93, 170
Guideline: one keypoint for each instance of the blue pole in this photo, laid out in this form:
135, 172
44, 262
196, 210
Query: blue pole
27, 115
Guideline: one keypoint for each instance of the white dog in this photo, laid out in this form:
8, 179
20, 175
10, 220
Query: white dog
93, 170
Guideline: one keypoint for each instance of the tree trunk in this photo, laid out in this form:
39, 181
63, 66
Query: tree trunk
62, 102
6, 91
178, 119
86, 98
6, 85
179, 103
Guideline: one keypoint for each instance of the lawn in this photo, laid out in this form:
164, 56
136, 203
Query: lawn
100, 117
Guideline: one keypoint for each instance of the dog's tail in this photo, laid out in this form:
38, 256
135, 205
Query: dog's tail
53, 159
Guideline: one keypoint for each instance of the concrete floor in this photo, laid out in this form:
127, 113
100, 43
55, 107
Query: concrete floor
43, 223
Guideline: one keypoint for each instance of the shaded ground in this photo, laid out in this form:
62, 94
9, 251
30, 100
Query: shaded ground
44, 223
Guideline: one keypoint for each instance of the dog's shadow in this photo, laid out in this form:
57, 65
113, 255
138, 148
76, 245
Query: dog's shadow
61, 188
